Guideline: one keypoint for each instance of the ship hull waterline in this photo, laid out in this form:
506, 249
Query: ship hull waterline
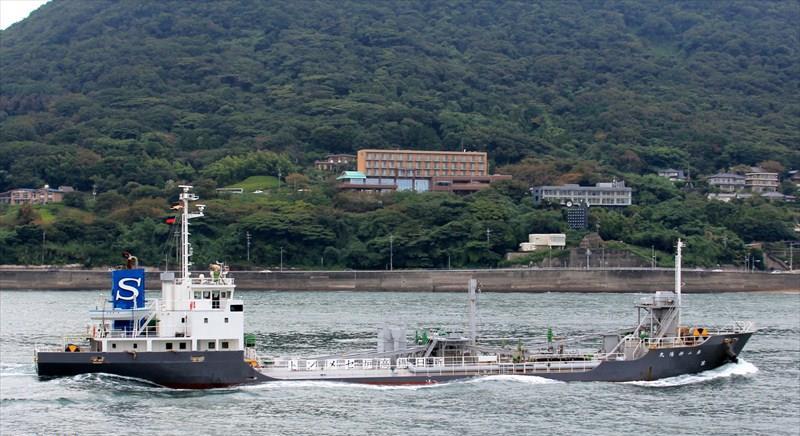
215, 369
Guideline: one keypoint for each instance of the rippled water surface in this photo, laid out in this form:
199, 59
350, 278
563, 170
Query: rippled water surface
759, 395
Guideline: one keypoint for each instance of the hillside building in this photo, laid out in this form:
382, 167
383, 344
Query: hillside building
35, 196
673, 175
419, 171
759, 181
794, 177
726, 182
538, 241
613, 193
336, 162
413, 163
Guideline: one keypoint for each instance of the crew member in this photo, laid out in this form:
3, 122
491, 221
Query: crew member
131, 261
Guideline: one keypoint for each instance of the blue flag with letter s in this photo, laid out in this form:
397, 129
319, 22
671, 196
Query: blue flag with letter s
127, 288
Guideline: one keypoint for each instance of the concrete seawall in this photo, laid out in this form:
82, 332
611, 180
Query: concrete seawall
493, 280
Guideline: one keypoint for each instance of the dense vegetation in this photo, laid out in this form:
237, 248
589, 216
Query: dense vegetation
316, 227
130, 99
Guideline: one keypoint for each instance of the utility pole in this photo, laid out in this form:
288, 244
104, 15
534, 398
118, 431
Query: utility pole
248, 246
281, 259
391, 252
44, 240
653, 257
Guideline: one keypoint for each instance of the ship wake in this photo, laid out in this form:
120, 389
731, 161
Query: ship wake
742, 368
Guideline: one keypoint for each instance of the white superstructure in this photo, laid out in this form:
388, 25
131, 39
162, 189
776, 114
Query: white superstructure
194, 313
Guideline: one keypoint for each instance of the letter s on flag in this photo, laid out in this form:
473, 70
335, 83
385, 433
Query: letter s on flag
123, 286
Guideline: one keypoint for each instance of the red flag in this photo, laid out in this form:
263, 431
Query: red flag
169, 220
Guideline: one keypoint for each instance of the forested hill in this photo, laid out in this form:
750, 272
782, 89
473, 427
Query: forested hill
111, 92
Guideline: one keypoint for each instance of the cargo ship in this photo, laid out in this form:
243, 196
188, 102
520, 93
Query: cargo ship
193, 338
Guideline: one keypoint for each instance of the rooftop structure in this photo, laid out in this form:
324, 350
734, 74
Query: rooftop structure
35, 196
774, 196
613, 193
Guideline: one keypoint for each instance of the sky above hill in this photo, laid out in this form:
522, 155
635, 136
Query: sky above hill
12, 11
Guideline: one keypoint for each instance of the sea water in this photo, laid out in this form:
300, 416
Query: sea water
758, 395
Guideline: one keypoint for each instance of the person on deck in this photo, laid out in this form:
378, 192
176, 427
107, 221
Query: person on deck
131, 260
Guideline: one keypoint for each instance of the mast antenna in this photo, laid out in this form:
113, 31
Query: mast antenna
678, 260
473, 310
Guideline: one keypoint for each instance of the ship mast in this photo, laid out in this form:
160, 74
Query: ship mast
186, 247
678, 260
473, 311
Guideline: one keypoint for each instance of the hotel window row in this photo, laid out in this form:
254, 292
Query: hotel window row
424, 165
420, 173
424, 157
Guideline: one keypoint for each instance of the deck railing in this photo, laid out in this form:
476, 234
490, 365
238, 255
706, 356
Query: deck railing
206, 281
641, 345
445, 365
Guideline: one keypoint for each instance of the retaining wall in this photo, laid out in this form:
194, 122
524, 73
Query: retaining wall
492, 280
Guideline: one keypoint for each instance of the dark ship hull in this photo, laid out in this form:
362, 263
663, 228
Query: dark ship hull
173, 369
197, 370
